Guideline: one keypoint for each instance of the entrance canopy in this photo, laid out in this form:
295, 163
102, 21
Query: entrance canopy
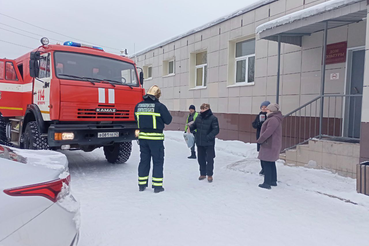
291, 28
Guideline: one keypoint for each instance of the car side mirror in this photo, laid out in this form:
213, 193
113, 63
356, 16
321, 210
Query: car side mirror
141, 78
33, 64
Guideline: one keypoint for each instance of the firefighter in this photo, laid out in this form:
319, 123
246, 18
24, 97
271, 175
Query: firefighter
151, 115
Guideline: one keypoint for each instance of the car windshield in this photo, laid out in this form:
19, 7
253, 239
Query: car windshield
84, 67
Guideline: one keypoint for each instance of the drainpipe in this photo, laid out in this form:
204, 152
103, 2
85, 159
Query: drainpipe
323, 78
279, 68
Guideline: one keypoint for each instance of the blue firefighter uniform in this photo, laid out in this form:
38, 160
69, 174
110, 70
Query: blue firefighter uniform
151, 115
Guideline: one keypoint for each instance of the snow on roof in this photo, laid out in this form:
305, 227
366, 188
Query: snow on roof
305, 13
210, 24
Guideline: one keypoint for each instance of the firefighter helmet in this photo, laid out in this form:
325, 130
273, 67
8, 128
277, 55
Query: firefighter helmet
155, 91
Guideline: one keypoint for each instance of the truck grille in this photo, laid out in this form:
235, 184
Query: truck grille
92, 114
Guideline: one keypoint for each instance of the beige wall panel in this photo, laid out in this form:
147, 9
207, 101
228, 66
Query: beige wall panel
291, 84
245, 105
260, 86
311, 60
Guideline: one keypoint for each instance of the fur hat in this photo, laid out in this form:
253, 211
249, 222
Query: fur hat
273, 107
155, 91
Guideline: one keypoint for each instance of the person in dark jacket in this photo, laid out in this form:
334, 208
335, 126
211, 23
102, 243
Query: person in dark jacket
270, 141
258, 122
207, 127
151, 115
192, 117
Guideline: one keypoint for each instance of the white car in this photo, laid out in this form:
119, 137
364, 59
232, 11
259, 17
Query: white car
36, 206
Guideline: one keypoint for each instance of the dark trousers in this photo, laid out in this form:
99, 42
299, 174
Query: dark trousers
193, 149
205, 157
270, 172
151, 149
193, 152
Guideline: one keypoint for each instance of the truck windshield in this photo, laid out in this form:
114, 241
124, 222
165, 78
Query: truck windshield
84, 67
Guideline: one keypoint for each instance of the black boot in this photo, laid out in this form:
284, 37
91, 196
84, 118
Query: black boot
142, 187
158, 189
265, 186
193, 155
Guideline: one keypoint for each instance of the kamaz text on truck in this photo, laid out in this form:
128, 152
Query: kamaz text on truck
70, 96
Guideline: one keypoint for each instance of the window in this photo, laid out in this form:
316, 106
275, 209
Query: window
171, 67
245, 61
2, 70
201, 69
44, 67
149, 72
10, 73
20, 68
168, 67
84, 67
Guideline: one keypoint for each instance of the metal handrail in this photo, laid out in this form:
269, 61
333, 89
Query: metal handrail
306, 121
303, 106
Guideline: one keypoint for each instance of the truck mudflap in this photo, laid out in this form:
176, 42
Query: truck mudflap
90, 134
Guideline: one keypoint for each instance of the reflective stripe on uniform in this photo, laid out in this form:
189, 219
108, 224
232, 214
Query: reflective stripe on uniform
157, 184
157, 179
143, 178
154, 121
151, 136
154, 115
142, 182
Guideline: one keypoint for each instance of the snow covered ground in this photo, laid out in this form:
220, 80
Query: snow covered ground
309, 207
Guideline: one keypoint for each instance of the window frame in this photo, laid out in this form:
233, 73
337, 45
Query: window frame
148, 69
243, 58
204, 67
169, 73
6, 72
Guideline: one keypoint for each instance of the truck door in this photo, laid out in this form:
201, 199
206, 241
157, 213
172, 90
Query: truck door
12, 89
41, 87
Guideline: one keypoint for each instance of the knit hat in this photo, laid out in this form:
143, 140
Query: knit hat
265, 103
273, 107
192, 107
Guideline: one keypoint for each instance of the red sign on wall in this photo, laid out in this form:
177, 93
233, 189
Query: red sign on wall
336, 53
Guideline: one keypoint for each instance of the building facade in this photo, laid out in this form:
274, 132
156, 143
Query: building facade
235, 64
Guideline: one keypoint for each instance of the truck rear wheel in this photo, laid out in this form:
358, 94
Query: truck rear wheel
32, 137
118, 153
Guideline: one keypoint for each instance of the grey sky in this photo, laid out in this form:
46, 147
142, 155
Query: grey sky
117, 24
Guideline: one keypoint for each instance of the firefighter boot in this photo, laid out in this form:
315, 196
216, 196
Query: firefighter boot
158, 189
142, 187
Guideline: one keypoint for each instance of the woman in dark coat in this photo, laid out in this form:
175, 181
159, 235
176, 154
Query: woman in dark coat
270, 141
207, 127
258, 122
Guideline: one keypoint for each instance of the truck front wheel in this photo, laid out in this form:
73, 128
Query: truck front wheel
3, 138
118, 153
32, 137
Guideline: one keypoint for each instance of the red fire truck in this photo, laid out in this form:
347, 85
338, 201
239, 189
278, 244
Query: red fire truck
70, 96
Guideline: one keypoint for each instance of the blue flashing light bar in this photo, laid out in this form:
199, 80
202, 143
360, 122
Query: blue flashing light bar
75, 44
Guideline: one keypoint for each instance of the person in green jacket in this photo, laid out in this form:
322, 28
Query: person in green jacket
192, 117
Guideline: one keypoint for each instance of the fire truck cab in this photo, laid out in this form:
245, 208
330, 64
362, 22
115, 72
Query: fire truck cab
70, 96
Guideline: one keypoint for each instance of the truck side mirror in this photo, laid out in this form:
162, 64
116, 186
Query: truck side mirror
141, 78
33, 64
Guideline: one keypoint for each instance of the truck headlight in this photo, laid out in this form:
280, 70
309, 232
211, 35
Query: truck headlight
67, 136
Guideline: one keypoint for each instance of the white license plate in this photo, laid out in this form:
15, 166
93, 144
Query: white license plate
108, 134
